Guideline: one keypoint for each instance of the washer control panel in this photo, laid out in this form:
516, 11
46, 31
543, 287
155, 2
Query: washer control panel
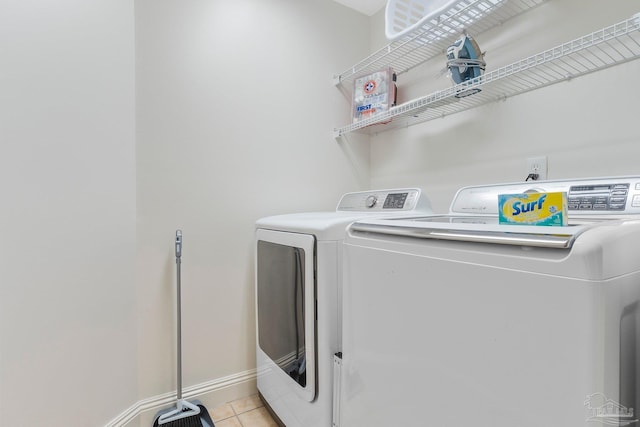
405, 199
585, 197
599, 197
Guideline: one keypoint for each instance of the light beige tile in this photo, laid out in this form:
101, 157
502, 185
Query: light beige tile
246, 404
257, 418
229, 422
222, 412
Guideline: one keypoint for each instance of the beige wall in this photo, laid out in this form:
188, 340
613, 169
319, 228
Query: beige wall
68, 354
120, 125
235, 113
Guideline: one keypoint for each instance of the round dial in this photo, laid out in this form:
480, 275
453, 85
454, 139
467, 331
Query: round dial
371, 201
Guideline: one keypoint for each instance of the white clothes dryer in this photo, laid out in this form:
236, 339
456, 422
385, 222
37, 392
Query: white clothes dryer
299, 305
458, 320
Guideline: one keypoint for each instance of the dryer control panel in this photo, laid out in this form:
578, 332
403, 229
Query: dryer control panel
397, 200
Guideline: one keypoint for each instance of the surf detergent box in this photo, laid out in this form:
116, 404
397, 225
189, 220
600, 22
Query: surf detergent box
533, 208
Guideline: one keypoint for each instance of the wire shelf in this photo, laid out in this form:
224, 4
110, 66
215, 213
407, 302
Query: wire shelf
434, 36
602, 49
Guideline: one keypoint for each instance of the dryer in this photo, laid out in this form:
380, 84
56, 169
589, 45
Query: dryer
458, 320
299, 305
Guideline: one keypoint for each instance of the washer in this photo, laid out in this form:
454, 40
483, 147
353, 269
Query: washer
298, 301
456, 319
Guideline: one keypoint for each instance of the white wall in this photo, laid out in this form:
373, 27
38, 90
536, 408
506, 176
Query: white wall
235, 108
586, 127
67, 296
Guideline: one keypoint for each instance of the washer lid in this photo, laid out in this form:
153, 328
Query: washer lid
480, 229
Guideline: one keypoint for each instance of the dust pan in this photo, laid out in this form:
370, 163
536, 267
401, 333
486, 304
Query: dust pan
185, 414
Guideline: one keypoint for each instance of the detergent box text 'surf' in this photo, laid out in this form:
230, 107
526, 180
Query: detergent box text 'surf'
533, 208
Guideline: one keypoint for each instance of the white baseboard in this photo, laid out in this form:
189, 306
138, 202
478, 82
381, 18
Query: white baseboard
211, 394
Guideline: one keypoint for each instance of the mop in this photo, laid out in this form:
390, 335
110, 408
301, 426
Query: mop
186, 414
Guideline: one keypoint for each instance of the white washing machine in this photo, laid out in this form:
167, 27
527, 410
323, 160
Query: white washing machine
298, 301
457, 320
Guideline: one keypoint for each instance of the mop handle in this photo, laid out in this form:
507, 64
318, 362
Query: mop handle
179, 312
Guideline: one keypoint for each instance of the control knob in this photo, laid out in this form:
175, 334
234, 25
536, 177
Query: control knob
371, 201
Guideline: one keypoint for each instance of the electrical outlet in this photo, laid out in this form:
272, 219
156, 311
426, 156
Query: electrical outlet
537, 166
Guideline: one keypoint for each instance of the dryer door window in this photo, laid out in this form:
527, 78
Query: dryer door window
286, 306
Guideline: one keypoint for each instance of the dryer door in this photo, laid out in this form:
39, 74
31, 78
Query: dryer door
285, 304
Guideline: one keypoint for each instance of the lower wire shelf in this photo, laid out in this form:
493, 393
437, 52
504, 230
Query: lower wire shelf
602, 49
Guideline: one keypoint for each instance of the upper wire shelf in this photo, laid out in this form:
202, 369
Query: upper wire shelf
434, 36
605, 48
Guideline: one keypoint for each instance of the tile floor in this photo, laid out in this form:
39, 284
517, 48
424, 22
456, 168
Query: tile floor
247, 412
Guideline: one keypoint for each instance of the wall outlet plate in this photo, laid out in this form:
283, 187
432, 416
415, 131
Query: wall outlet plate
537, 166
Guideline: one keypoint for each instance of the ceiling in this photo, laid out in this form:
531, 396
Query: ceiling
368, 7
